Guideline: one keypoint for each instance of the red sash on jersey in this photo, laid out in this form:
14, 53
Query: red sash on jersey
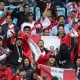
3, 19
11, 29
76, 8
78, 14
53, 23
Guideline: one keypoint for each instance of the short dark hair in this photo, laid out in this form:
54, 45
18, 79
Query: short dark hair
27, 27
78, 57
1, 1
39, 41
25, 5
18, 38
10, 16
54, 78
74, 11
24, 59
61, 16
60, 25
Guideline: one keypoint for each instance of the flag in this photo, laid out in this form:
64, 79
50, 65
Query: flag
50, 42
76, 28
61, 74
30, 44
15, 77
43, 59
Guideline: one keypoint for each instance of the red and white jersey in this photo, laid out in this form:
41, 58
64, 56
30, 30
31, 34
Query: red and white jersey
43, 53
71, 6
3, 18
70, 20
78, 12
27, 24
11, 30
45, 22
74, 6
33, 32
36, 29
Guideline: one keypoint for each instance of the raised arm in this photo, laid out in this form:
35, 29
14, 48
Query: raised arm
10, 46
15, 12
54, 12
40, 3
44, 13
3, 57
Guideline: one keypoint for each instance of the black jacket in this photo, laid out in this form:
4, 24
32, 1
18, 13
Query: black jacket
5, 29
30, 72
66, 61
14, 56
45, 50
21, 16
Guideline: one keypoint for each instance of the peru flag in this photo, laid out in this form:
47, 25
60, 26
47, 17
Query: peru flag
50, 42
30, 44
61, 74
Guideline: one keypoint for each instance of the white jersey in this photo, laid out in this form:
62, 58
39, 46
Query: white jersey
27, 24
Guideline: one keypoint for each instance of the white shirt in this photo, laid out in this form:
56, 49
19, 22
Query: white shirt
45, 22
34, 33
27, 24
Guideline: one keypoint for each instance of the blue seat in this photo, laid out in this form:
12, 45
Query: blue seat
11, 7
37, 13
32, 9
61, 11
68, 12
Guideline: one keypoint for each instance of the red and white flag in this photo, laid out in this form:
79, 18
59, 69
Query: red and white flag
30, 44
61, 74
50, 42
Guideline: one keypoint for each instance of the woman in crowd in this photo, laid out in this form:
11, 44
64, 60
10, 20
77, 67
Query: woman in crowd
28, 68
52, 61
61, 32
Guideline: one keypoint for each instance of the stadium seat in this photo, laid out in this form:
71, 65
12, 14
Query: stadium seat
37, 13
61, 11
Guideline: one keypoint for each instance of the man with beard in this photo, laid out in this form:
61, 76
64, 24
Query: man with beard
43, 50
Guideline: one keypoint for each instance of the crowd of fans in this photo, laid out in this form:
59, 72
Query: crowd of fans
16, 62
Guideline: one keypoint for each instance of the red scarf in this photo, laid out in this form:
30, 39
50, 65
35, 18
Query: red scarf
53, 23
